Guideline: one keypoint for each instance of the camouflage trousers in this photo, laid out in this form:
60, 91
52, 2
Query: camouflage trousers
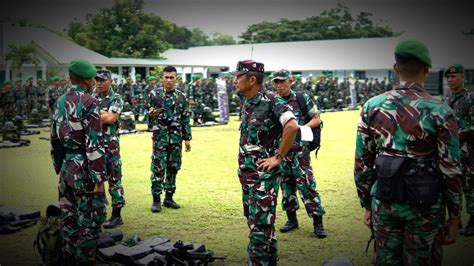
406, 235
165, 164
259, 197
223, 103
113, 165
467, 166
82, 215
297, 174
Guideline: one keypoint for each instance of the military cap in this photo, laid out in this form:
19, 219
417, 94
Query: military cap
414, 49
31, 78
7, 83
54, 78
298, 77
18, 81
103, 74
138, 76
246, 66
282, 74
128, 78
454, 69
150, 78
83, 68
195, 77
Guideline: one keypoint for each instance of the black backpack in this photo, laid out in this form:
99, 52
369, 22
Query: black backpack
315, 144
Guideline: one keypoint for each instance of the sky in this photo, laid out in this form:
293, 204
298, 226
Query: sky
421, 17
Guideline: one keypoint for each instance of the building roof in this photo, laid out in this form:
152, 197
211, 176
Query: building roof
346, 54
59, 50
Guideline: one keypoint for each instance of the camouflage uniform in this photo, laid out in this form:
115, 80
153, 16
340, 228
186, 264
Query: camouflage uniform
77, 125
170, 128
407, 122
463, 106
297, 171
260, 133
113, 102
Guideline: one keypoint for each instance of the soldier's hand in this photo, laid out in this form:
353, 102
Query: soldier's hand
187, 145
451, 231
99, 188
368, 218
268, 164
154, 112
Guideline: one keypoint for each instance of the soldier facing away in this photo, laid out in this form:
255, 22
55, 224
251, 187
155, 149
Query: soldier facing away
111, 104
407, 166
76, 124
169, 120
462, 103
267, 131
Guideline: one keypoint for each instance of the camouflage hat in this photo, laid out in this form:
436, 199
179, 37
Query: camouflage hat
414, 49
103, 74
83, 68
282, 74
246, 66
454, 69
138, 76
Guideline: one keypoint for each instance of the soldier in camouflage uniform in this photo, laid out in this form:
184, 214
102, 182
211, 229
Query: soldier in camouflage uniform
53, 92
8, 102
297, 172
462, 103
266, 121
169, 120
407, 166
111, 104
76, 123
19, 93
195, 97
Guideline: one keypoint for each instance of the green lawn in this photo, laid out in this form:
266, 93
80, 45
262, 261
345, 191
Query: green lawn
209, 191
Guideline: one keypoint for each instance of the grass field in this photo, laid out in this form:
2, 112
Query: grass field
209, 191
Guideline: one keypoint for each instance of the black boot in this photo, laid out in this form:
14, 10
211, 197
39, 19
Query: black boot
318, 227
115, 220
469, 229
292, 222
156, 207
169, 202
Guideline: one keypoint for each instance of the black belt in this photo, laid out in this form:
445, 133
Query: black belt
74, 151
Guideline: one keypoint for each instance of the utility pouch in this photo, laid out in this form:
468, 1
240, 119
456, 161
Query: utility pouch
422, 182
389, 181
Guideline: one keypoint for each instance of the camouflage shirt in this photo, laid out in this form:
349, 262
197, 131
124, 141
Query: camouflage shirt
77, 119
112, 102
463, 107
172, 124
261, 128
408, 122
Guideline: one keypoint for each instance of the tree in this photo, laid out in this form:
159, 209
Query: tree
219, 38
336, 23
21, 55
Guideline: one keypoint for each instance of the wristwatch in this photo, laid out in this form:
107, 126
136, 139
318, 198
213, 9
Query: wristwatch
278, 155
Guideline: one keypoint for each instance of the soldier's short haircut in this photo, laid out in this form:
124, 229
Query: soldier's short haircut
257, 75
74, 78
409, 66
170, 69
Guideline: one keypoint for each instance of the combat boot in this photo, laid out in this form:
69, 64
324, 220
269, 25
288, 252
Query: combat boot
318, 227
156, 207
169, 202
469, 229
115, 220
292, 222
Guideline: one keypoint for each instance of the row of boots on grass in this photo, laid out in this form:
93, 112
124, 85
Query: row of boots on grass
469, 229
292, 224
168, 202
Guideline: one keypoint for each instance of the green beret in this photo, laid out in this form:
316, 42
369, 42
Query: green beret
454, 69
31, 78
54, 78
7, 83
195, 77
138, 76
83, 68
150, 78
128, 78
414, 49
18, 81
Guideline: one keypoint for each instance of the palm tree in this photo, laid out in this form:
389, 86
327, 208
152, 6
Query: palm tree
20, 55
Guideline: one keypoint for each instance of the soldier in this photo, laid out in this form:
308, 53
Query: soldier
19, 93
462, 103
53, 92
111, 104
76, 124
296, 166
169, 120
267, 131
8, 101
407, 155
126, 90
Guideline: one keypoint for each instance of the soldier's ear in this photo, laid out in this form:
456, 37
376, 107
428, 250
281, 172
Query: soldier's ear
395, 68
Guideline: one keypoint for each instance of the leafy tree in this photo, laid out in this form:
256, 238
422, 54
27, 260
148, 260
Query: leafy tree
336, 23
219, 38
20, 55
